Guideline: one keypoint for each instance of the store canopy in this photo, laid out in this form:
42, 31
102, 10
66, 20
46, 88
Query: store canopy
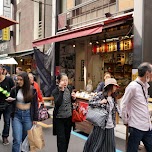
21, 53
69, 35
8, 60
6, 22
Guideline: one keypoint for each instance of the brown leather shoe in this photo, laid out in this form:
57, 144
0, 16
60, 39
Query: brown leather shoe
5, 141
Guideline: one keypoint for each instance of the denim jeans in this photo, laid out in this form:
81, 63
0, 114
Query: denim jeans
136, 136
6, 117
20, 124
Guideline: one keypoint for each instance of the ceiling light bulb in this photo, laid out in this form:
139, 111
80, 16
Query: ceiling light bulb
90, 43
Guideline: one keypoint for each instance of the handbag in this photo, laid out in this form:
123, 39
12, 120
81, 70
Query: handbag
78, 114
43, 113
35, 138
97, 116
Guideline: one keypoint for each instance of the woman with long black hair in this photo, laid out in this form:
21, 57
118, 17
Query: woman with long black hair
25, 109
102, 139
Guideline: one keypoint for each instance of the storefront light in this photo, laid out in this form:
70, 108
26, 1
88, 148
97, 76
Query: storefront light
21, 60
90, 43
74, 45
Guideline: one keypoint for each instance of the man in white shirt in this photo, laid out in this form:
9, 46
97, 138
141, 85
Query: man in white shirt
134, 110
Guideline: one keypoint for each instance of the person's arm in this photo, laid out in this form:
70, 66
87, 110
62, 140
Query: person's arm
129, 93
100, 87
39, 93
58, 96
96, 100
35, 105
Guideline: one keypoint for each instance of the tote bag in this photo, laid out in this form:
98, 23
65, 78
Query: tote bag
36, 138
97, 116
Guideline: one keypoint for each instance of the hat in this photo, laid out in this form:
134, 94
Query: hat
111, 81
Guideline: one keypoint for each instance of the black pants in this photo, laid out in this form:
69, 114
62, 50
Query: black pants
63, 131
6, 117
136, 136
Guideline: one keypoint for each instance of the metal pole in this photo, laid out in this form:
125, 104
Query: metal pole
44, 25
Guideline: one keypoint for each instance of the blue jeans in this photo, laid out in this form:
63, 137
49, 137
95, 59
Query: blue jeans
6, 117
20, 124
136, 136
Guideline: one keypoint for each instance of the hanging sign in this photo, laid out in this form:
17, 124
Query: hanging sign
6, 34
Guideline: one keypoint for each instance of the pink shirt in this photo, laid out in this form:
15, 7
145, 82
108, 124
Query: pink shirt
134, 106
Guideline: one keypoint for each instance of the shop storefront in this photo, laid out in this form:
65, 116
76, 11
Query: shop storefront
90, 55
25, 59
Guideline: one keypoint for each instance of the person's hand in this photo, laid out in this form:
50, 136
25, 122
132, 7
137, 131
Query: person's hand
103, 101
73, 95
61, 85
10, 99
34, 122
40, 103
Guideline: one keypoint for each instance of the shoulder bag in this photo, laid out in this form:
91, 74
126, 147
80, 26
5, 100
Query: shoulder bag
97, 116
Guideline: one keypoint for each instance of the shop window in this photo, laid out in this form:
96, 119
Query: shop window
77, 11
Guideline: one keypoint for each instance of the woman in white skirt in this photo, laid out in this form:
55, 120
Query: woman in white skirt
102, 139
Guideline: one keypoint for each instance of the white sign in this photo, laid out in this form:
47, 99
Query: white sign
7, 8
3, 47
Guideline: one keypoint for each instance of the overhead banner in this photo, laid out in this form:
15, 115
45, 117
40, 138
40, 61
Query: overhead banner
46, 81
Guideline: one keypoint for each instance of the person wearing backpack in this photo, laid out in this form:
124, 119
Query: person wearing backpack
62, 114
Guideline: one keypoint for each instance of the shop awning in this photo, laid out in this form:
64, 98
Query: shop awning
69, 35
5, 22
8, 60
21, 53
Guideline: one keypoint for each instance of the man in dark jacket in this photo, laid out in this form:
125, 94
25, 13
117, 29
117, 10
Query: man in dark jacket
6, 83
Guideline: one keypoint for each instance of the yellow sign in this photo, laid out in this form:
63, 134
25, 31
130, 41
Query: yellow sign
6, 34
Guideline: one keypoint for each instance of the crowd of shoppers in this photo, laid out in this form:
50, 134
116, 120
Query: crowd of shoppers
19, 102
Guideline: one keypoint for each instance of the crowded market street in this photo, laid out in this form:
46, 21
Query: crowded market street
77, 140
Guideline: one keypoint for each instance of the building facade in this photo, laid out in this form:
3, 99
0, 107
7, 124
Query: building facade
86, 33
